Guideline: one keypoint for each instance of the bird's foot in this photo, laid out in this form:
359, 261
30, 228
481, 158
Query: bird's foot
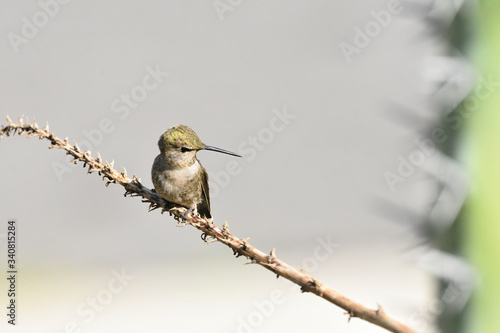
186, 213
208, 238
182, 221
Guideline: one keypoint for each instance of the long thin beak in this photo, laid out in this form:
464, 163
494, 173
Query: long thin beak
221, 151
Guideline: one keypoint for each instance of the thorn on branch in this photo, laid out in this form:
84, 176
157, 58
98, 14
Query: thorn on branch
92, 169
225, 228
134, 194
237, 253
111, 181
312, 284
380, 311
251, 262
209, 224
271, 257
181, 223
153, 206
245, 244
77, 149
350, 314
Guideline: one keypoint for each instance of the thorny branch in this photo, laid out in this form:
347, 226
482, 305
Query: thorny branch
240, 247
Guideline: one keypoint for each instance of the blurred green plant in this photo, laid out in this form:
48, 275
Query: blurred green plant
483, 214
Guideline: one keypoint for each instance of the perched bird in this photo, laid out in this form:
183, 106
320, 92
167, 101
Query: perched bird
177, 174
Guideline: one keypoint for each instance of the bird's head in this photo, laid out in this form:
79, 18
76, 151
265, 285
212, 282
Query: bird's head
180, 144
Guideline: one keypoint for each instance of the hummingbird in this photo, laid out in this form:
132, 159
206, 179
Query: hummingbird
178, 175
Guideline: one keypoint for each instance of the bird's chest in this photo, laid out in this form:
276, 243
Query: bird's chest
179, 185
183, 177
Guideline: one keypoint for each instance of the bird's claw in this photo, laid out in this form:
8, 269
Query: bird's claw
186, 213
208, 238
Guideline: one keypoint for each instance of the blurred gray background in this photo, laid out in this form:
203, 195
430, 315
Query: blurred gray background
318, 129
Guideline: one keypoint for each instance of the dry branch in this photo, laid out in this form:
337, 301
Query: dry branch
240, 247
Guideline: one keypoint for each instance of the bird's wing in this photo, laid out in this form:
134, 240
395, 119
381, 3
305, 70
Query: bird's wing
204, 206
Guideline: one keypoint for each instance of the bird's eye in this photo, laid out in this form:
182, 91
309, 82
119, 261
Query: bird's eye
184, 149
